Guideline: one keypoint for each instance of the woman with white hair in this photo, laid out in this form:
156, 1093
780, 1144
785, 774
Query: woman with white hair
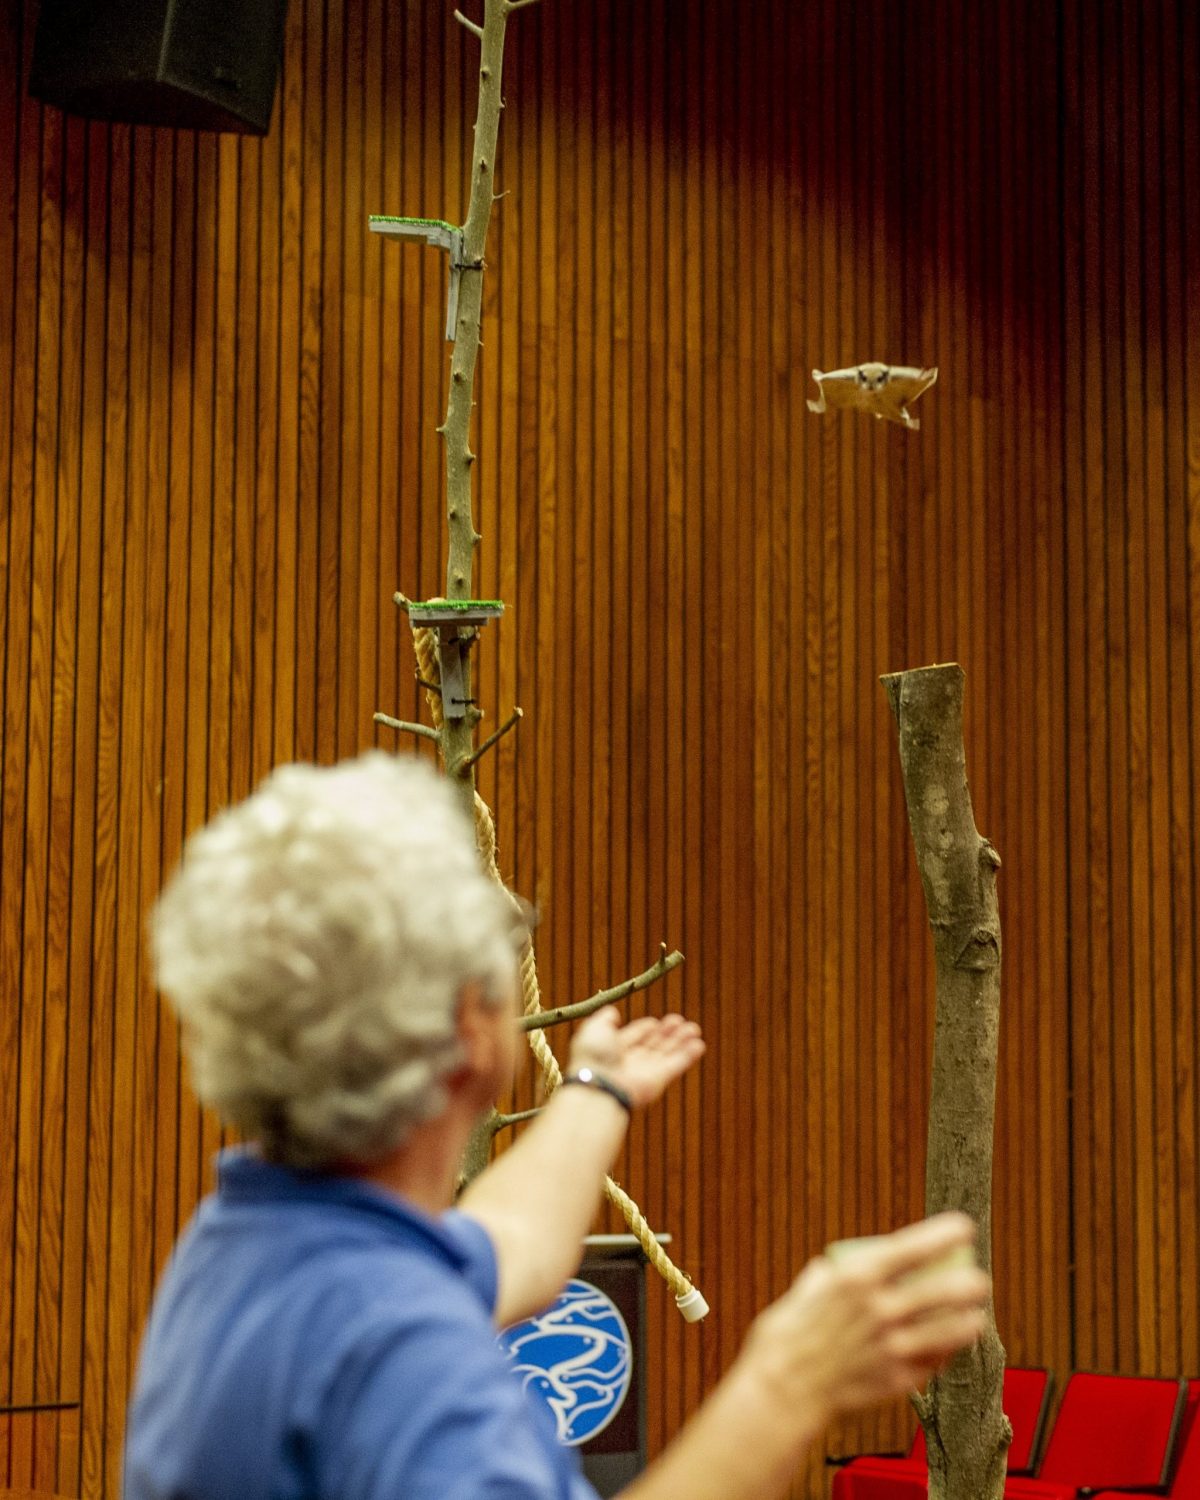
345, 976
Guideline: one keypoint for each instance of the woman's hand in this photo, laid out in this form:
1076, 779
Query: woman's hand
641, 1058
857, 1331
848, 1332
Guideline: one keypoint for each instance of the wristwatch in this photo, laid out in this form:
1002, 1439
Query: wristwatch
593, 1080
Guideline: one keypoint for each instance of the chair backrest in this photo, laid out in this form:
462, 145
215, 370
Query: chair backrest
1185, 1478
1026, 1400
1115, 1431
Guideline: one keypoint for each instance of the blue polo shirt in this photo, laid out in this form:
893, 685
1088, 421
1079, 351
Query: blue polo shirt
314, 1337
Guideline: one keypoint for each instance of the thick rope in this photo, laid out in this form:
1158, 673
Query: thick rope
485, 834
425, 645
430, 669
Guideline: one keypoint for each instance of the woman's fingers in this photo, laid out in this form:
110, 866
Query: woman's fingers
642, 1032
961, 1288
918, 1248
865, 1324
933, 1340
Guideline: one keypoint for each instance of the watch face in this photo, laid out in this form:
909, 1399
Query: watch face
577, 1358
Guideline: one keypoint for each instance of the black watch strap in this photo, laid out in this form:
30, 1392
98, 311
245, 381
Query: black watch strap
593, 1080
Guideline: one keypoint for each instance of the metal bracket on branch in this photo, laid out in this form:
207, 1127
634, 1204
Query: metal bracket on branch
434, 232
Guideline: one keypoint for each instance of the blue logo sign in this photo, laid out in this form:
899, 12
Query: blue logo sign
577, 1357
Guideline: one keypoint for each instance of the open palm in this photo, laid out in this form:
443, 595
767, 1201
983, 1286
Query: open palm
642, 1057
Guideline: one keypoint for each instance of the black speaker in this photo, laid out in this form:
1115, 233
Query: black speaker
199, 64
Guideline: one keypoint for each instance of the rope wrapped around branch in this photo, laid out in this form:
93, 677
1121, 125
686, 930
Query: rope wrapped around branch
691, 1302
429, 669
685, 1292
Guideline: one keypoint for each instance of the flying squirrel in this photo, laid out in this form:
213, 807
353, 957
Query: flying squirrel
882, 390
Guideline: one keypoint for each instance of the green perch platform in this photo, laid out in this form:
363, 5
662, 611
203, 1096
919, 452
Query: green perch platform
456, 622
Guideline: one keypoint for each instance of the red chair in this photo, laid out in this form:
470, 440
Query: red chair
879, 1477
1112, 1432
1185, 1481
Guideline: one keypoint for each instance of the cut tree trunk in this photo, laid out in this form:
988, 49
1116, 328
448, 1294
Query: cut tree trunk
966, 1431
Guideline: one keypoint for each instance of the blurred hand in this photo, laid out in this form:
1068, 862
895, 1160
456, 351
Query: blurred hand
643, 1057
875, 1325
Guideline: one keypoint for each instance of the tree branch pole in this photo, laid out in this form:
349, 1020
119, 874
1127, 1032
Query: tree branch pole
538, 1020
493, 739
422, 731
458, 735
501, 1122
966, 1430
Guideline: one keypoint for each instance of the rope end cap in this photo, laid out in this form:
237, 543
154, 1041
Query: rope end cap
692, 1305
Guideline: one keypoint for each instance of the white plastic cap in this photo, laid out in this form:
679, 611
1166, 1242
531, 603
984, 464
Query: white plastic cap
692, 1305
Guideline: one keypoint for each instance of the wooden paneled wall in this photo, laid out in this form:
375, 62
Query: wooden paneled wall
1131, 433
217, 461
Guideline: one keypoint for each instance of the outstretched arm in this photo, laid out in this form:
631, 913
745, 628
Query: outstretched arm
539, 1199
844, 1336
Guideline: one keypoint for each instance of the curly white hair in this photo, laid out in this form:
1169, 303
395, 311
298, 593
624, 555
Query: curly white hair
315, 941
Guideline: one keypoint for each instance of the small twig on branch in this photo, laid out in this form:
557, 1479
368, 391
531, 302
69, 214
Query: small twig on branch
470, 25
540, 1019
512, 5
502, 1122
422, 729
463, 766
430, 687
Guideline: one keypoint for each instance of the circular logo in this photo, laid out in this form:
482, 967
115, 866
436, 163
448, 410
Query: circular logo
577, 1357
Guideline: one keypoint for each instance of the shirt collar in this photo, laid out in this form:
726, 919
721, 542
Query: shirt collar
244, 1177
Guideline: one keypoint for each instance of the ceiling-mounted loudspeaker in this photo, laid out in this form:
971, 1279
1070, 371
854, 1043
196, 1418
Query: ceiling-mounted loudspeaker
197, 64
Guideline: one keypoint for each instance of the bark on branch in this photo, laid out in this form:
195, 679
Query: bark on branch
456, 428
965, 1427
499, 1122
493, 739
470, 25
422, 730
457, 735
662, 965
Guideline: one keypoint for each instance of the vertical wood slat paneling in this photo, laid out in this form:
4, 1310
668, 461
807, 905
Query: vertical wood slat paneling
9, 1013
12, 842
1180, 293
1131, 542
217, 397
